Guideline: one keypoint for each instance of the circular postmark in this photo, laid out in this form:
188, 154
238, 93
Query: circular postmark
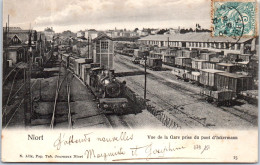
233, 20
228, 20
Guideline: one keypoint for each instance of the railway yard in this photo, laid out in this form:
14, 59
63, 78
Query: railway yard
61, 99
83, 109
130, 85
182, 100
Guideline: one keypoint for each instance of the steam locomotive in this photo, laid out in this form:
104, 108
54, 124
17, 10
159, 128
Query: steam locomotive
108, 91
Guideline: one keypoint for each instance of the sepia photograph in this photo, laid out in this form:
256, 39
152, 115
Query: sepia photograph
112, 71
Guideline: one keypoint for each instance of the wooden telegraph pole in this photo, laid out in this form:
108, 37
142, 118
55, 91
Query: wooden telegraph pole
88, 48
145, 79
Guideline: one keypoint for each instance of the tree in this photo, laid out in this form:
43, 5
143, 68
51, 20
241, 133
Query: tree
35, 36
162, 31
136, 29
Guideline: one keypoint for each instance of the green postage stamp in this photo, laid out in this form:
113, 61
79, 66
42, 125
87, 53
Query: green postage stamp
234, 18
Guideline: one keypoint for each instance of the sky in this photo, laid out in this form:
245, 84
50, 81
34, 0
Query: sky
78, 15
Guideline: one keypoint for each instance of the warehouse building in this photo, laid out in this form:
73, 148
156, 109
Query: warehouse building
243, 45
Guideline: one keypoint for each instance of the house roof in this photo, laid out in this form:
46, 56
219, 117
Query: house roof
101, 36
12, 28
193, 37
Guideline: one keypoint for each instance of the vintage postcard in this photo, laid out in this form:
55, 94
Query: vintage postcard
129, 81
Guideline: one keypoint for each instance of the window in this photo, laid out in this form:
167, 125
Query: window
227, 46
216, 45
222, 45
238, 46
232, 46
104, 45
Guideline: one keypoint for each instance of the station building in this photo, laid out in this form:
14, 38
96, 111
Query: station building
203, 40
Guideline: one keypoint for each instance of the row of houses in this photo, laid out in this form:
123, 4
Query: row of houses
16, 42
92, 33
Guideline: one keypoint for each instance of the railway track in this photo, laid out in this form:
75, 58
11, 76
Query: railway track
168, 105
117, 121
18, 99
179, 87
63, 85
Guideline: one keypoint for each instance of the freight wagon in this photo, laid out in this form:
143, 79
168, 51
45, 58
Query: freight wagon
86, 69
169, 60
189, 53
179, 73
234, 82
208, 65
178, 53
183, 62
250, 96
79, 62
152, 63
156, 55
72, 62
231, 68
245, 57
140, 54
197, 64
65, 60
193, 77
207, 56
208, 77
172, 51
232, 57
224, 97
